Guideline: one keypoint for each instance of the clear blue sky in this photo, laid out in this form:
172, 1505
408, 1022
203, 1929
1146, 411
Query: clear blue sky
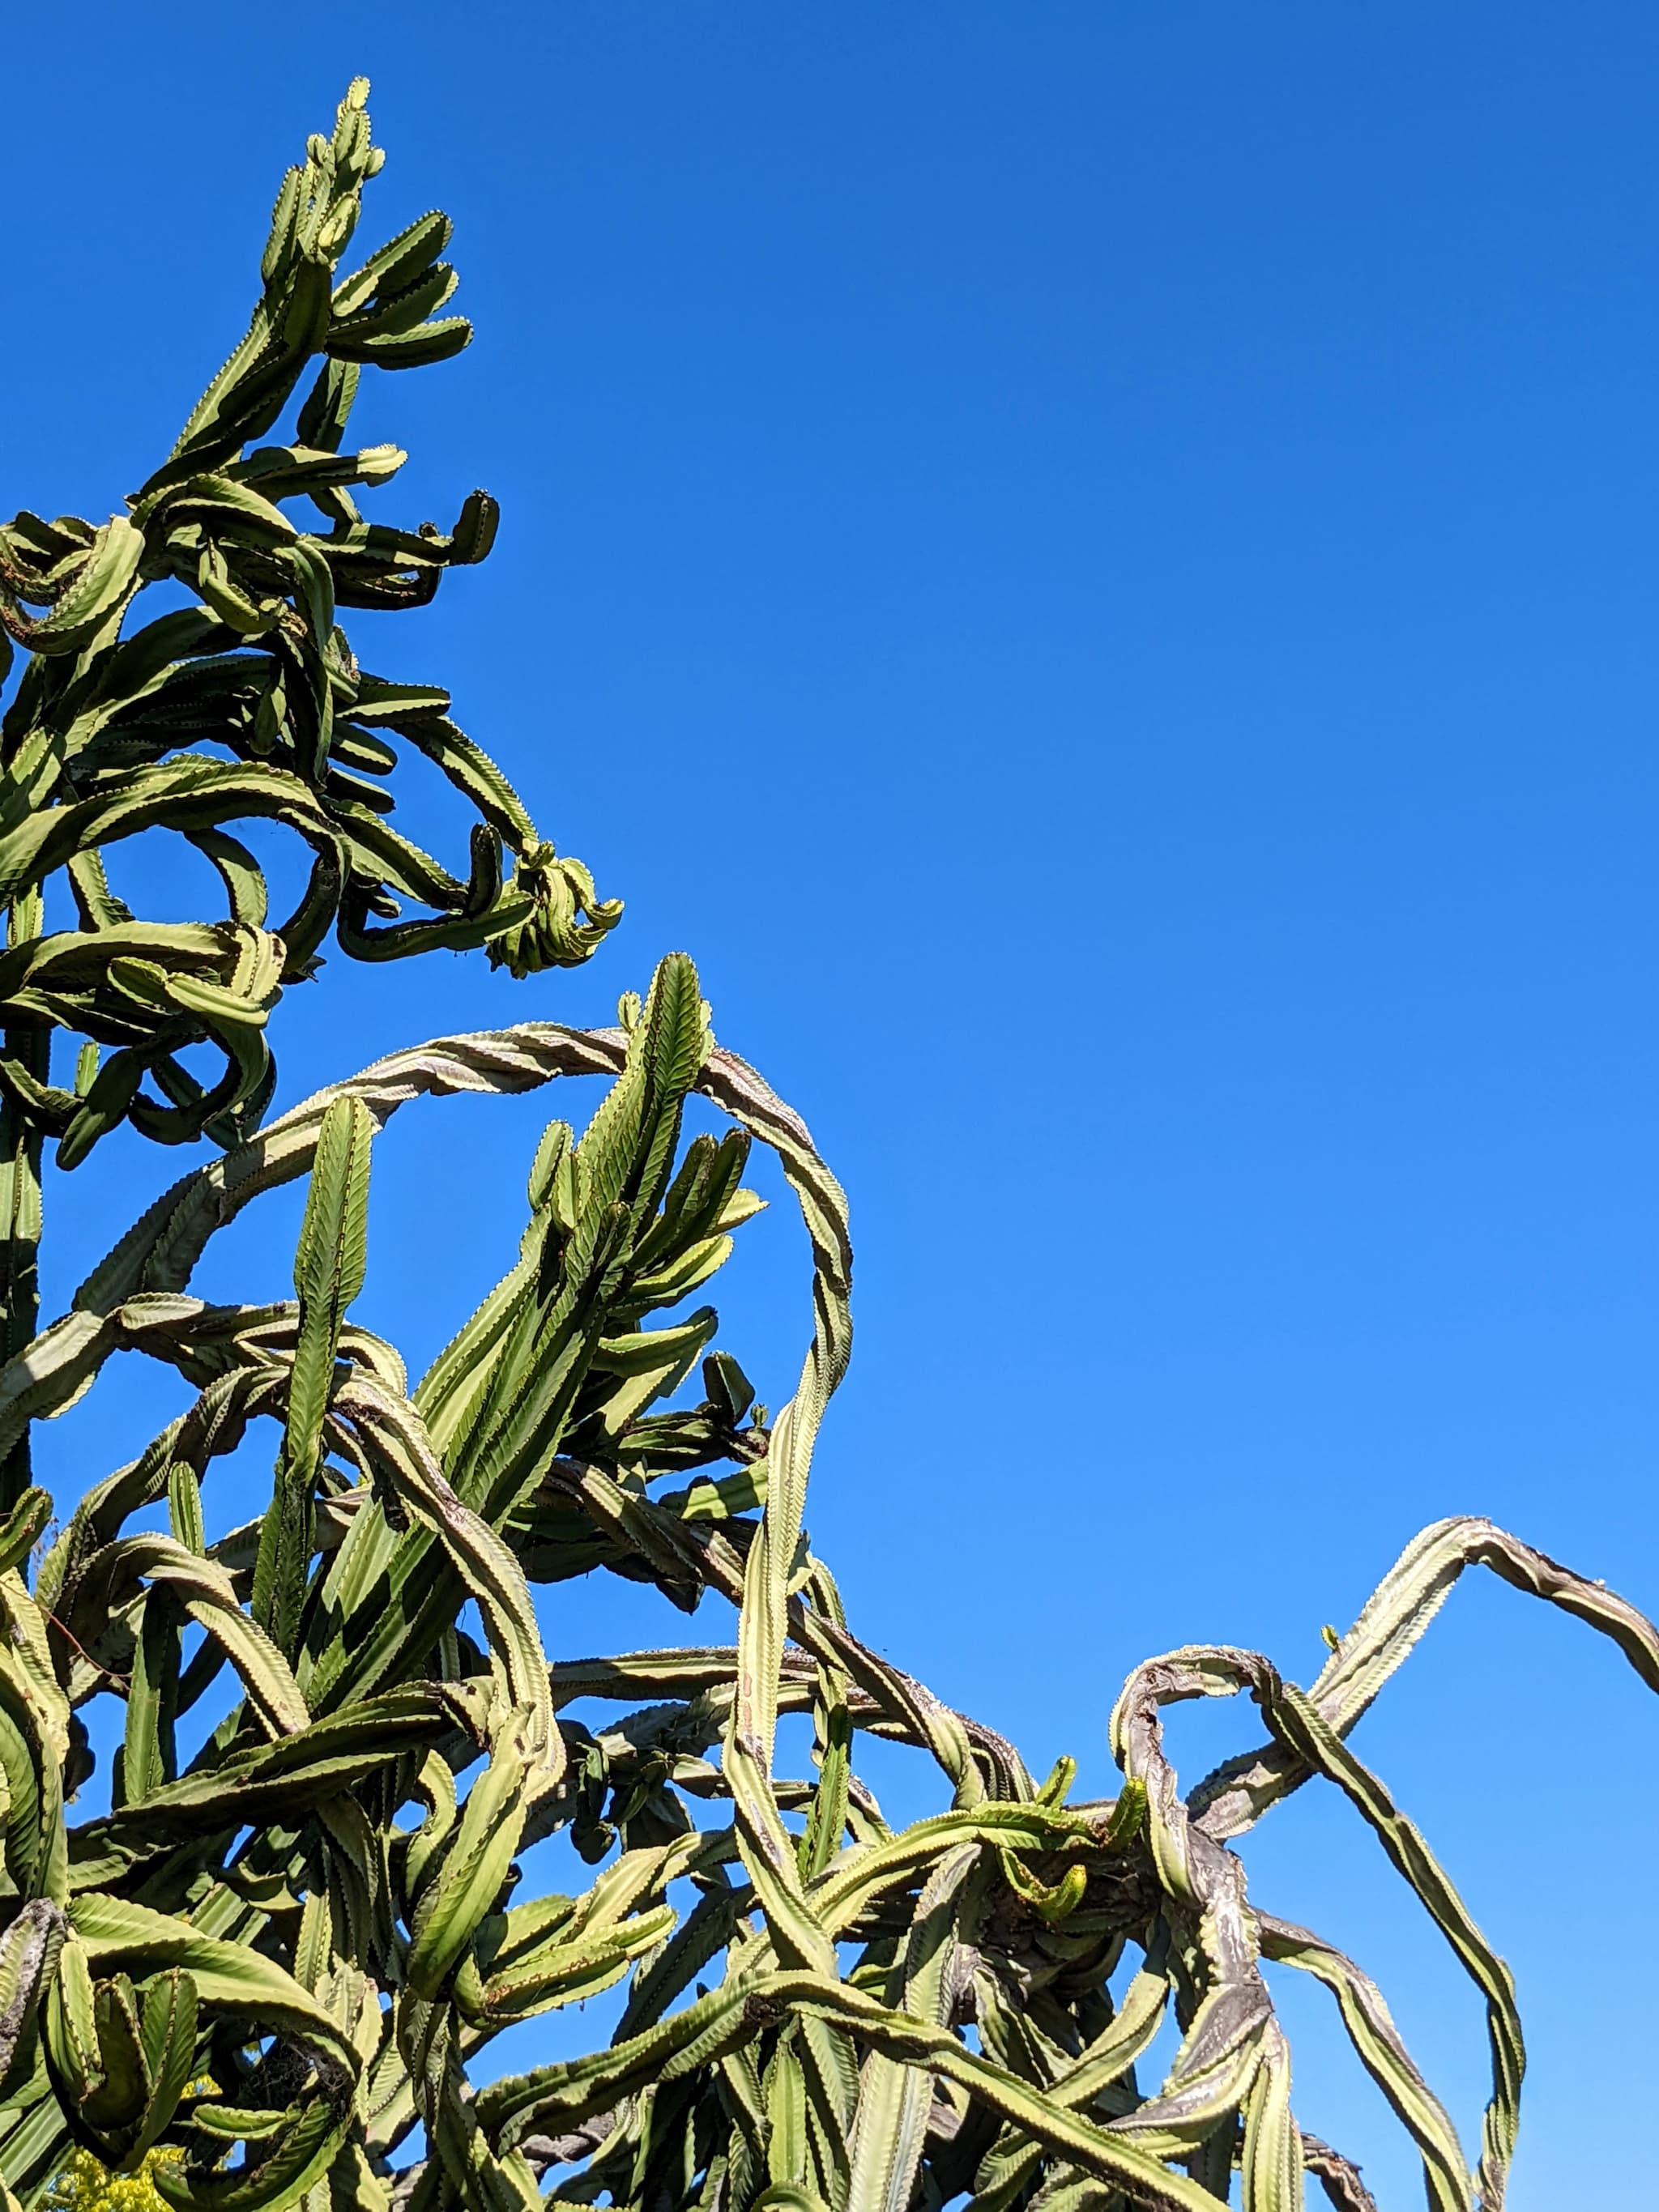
1096, 564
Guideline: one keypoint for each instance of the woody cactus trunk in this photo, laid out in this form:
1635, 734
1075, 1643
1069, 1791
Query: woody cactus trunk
271, 1971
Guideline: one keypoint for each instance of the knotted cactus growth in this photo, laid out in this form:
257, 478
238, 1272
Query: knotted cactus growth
268, 1969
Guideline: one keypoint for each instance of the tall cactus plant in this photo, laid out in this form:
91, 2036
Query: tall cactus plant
269, 1974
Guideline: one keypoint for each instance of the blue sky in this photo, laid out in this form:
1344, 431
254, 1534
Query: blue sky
1095, 565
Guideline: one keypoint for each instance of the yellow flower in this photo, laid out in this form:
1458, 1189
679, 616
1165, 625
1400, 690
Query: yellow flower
84, 2186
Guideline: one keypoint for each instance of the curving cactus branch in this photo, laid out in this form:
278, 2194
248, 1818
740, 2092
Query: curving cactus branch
246, 704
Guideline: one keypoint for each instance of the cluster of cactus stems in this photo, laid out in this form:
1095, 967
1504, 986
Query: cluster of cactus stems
270, 1972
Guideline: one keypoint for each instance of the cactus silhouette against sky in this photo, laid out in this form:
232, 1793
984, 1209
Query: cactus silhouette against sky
270, 1971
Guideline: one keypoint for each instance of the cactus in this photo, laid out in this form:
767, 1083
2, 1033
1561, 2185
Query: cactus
270, 1973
